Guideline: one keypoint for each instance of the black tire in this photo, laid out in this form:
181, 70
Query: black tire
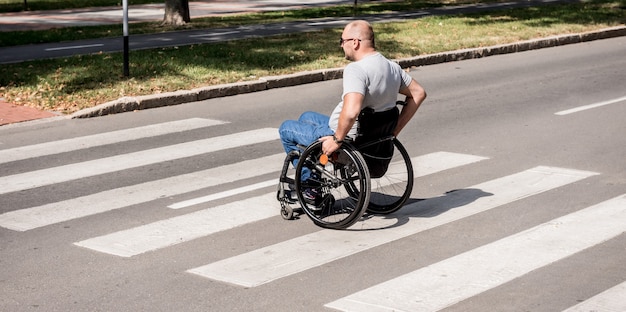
393, 189
338, 205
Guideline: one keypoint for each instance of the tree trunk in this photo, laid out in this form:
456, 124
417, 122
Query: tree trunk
176, 12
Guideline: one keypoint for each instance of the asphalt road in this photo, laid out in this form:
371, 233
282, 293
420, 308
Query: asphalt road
173, 209
23, 53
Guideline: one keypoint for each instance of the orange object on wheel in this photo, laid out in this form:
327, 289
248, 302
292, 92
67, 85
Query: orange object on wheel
323, 159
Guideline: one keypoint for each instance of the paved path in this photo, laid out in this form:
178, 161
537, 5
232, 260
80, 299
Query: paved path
16, 54
11, 113
37, 20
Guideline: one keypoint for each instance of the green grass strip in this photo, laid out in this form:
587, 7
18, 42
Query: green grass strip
67, 85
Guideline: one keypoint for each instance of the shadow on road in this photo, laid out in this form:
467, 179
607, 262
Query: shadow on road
427, 208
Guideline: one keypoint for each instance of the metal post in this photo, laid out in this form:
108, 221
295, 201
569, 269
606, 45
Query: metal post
125, 27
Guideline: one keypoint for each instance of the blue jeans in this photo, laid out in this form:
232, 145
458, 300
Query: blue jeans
304, 131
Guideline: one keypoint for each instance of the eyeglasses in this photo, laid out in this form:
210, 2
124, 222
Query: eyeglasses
341, 40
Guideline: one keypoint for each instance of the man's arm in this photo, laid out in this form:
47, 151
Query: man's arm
415, 95
352, 103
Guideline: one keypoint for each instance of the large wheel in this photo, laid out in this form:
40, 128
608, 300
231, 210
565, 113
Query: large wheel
391, 191
342, 182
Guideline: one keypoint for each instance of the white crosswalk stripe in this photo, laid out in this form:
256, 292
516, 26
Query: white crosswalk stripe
212, 197
177, 230
85, 169
611, 300
301, 253
448, 282
68, 145
184, 228
31, 218
423, 165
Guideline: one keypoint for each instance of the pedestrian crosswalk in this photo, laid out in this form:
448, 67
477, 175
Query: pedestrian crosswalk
315, 249
447, 282
430, 288
30, 218
205, 222
68, 145
33, 179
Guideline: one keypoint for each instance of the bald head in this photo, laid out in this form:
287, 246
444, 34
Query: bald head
362, 30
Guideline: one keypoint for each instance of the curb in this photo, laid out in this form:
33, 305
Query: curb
129, 104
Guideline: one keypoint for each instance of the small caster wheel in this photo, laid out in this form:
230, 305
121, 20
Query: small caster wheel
286, 212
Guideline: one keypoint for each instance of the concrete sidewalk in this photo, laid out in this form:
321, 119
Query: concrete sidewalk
11, 113
39, 20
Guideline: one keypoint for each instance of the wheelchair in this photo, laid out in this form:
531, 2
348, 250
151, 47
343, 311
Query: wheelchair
371, 174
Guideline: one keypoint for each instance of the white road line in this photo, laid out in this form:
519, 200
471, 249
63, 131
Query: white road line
296, 255
424, 165
85, 169
75, 47
450, 281
215, 34
212, 197
31, 218
187, 227
338, 23
590, 106
439, 161
68, 145
184, 228
611, 300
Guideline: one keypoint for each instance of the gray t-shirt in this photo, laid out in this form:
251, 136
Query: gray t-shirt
378, 79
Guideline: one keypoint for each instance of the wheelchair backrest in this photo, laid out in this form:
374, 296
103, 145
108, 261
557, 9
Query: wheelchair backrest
374, 139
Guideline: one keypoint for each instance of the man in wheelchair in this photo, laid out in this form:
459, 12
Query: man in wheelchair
371, 82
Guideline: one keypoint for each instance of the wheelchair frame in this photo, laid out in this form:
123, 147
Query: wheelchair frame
346, 189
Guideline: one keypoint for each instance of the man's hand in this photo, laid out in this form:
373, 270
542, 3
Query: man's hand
329, 145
